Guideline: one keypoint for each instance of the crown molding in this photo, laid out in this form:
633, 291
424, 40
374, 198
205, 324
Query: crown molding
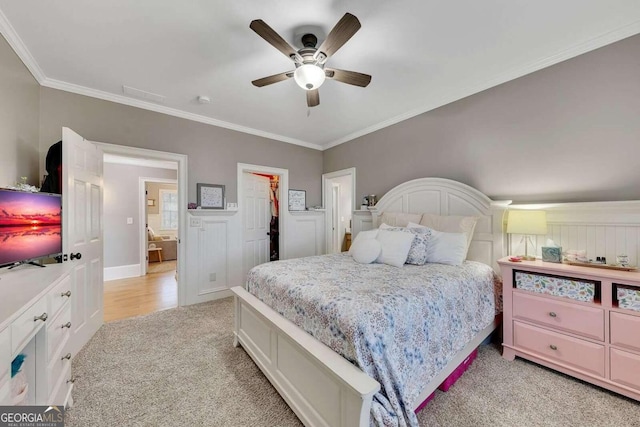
16, 43
578, 49
145, 105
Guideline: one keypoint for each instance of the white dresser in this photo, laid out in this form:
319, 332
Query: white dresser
35, 320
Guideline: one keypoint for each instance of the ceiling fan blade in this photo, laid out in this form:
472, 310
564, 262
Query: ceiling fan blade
348, 77
272, 79
313, 98
339, 35
266, 32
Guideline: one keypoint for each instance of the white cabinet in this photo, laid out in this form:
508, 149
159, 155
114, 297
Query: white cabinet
35, 319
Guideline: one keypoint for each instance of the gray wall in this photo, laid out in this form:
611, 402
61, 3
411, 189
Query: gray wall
570, 132
19, 108
121, 184
213, 152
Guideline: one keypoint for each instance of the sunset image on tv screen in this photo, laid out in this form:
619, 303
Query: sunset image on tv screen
30, 226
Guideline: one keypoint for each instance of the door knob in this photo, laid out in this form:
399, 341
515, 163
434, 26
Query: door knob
75, 256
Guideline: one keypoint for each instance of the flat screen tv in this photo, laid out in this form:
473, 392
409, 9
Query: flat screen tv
30, 226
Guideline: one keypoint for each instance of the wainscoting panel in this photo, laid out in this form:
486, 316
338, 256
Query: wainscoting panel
601, 228
213, 264
307, 234
215, 246
214, 255
361, 221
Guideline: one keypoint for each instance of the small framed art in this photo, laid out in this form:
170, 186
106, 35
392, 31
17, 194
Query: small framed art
297, 200
151, 202
210, 196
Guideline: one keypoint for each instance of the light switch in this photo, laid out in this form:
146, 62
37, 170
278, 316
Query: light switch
195, 222
129, 220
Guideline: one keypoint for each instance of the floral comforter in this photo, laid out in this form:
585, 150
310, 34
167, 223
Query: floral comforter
399, 325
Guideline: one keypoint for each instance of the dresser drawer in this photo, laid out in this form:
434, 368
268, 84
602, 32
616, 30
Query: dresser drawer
625, 331
56, 369
625, 368
573, 352
58, 333
564, 316
24, 327
59, 295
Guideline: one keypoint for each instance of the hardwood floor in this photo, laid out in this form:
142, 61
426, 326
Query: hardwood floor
140, 295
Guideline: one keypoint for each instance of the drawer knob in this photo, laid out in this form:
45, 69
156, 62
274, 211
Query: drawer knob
552, 314
72, 380
67, 356
553, 347
66, 325
66, 294
42, 317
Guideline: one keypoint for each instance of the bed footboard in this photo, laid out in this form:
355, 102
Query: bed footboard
320, 386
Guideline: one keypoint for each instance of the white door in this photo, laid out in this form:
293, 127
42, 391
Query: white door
82, 231
256, 218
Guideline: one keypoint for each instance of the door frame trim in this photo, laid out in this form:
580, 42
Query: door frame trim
181, 159
326, 180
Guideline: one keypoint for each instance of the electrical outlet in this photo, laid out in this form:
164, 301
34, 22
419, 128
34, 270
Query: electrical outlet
129, 220
212, 277
195, 222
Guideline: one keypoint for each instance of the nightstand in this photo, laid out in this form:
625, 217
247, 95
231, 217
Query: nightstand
347, 242
582, 321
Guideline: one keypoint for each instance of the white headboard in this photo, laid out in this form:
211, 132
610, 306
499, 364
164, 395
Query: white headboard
441, 196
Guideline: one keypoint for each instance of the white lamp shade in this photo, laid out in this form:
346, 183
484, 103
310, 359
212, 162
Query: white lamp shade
309, 76
527, 222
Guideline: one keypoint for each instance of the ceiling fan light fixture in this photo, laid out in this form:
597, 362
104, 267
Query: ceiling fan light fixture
309, 76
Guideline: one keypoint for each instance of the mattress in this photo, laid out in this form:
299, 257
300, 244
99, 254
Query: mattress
399, 325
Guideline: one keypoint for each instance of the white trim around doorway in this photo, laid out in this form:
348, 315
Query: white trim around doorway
181, 160
326, 185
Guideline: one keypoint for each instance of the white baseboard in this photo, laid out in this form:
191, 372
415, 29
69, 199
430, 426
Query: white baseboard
121, 272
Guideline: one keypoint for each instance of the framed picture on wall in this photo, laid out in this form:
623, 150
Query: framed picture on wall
210, 196
151, 202
297, 200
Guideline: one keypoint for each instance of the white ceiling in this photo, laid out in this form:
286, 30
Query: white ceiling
421, 53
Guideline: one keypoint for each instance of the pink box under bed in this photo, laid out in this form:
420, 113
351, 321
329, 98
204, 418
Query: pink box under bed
452, 378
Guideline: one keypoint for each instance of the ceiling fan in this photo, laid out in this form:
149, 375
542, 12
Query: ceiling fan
310, 71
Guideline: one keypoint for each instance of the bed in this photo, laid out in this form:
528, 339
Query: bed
326, 389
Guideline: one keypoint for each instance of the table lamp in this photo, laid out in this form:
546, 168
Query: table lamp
527, 223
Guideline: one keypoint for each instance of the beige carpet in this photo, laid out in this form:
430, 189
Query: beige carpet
178, 368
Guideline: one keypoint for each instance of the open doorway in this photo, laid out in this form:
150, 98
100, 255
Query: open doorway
338, 194
160, 200
144, 211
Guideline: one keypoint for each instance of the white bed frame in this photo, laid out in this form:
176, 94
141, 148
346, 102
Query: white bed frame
322, 387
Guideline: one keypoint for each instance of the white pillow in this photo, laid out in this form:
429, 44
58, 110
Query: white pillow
395, 247
363, 235
365, 251
451, 224
421, 235
447, 248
